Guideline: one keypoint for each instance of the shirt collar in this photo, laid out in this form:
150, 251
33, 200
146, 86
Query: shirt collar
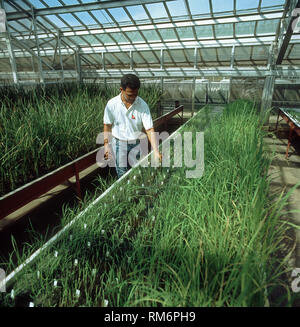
136, 101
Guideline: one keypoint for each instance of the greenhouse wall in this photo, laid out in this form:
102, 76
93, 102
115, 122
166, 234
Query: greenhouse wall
248, 89
286, 94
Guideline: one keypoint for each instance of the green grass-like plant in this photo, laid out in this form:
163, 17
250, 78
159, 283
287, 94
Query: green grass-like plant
160, 239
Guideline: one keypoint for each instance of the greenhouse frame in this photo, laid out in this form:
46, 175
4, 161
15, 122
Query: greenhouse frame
227, 72
57, 41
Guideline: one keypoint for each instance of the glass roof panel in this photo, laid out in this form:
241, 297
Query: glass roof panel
221, 5
150, 57
102, 16
37, 4
224, 30
119, 14
113, 58
119, 37
137, 58
295, 52
8, 8
53, 3
177, 8
168, 34
106, 39
46, 23
78, 40
134, 36
224, 54
260, 52
185, 33
137, 12
208, 54
20, 27
88, 1
157, 10
56, 21
70, 2
178, 56
91, 39
242, 53
151, 35
267, 26
245, 28
268, 3
242, 4
199, 7
70, 19
86, 18
204, 31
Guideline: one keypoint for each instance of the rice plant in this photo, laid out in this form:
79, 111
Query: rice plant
160, 239
45, 128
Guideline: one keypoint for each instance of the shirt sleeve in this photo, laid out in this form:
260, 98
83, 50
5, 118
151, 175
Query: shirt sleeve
108, 117
147, 119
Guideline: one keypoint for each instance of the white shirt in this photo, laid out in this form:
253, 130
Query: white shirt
126, 123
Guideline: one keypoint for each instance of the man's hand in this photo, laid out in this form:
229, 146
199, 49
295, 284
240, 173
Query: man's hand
107, 152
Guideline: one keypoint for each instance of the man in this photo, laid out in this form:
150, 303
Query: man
124, 117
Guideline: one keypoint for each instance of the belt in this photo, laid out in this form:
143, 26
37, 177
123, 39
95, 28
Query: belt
125, 140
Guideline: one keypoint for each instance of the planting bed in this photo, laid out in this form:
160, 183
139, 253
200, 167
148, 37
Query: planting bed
157, 238
45, 128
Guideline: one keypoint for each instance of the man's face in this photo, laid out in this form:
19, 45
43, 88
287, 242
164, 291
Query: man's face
129, 94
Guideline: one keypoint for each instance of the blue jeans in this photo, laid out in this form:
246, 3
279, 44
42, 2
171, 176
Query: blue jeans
126, 155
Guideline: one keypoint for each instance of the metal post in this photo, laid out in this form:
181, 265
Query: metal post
193, 95
195, 58
103, 60
40, 67
60, 55
229, 90
161, 59
131, 59
267, 96
232, 57
271, 56
12, 58
78, 65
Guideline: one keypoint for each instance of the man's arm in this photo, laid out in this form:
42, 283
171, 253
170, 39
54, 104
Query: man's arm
153, 141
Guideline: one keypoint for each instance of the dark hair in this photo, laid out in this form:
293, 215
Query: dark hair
131, 81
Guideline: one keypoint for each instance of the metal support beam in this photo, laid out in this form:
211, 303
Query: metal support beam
288, 34
267, 95
60, 56
23, 46
193, 95
229, 90
195, 58
162, 84
82, 7
282, 72
78, 65
40, 67
131, 59
232, 58
271, 57
161, 59
103, 60
12, 58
